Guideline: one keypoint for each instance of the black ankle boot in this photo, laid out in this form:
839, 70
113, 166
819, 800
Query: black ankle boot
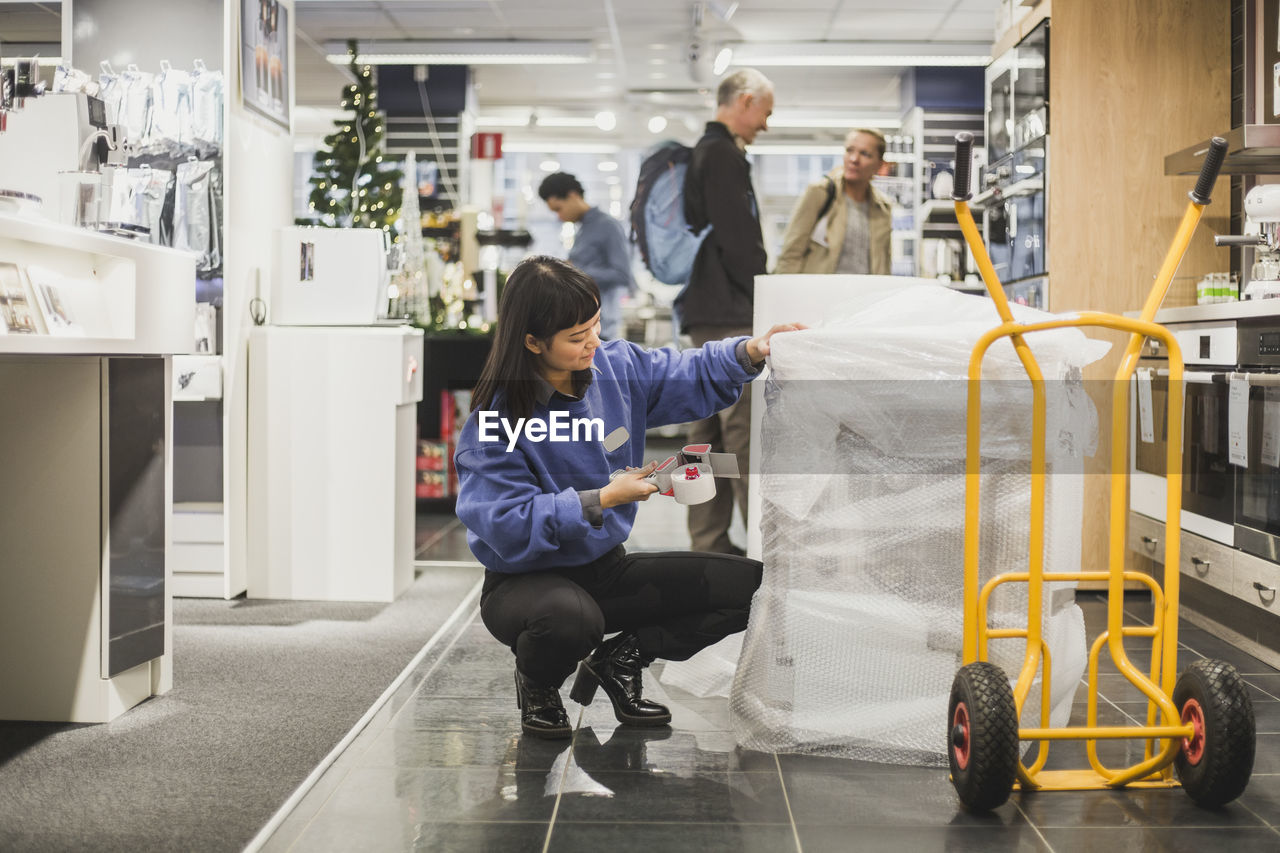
616, 665
541, 713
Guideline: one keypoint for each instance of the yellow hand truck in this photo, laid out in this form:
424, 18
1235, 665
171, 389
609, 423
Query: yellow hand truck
1202, 726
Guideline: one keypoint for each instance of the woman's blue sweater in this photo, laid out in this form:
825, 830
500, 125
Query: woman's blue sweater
523, 504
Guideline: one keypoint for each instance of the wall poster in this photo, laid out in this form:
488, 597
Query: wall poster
264, 58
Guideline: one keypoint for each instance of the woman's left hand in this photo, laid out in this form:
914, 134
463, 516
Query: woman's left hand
758, 348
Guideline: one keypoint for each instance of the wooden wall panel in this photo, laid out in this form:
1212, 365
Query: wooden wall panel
1130, 81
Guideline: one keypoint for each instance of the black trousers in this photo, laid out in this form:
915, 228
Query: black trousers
675, 602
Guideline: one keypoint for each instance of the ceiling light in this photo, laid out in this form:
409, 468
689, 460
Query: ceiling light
870, 54
836, 149
463, 52
724, 11
607, 166
565, 121
723, 58
502, 121
836, 122
549, 166
554, 146
606, 120
657, 124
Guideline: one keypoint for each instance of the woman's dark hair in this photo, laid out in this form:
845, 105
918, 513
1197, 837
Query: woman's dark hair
559, 185
543, 295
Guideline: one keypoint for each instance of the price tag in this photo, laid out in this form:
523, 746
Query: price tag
1238, 419
1271, 429
1146, 426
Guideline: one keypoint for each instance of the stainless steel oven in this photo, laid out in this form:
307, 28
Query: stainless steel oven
1257, 528
1208, 479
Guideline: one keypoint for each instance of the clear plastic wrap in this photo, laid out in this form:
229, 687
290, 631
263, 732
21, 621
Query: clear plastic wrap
855, 634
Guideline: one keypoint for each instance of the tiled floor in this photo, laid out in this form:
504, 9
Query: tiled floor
443, 767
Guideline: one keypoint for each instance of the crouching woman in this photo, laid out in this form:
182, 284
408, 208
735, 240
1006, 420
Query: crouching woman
548, 523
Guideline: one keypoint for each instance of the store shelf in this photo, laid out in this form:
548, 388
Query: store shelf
122, 296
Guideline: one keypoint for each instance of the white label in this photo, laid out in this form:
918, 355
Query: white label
616, 439
1146, 428
1275, 89
1238, 420
1271, 429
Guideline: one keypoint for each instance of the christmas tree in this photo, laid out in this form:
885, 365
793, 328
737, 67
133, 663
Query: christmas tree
350, 187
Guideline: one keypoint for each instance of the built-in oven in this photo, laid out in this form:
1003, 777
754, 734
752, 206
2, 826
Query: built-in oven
1208, 478
1257, 528
1013, 196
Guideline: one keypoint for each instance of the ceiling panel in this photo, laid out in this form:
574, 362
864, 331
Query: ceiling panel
655, 36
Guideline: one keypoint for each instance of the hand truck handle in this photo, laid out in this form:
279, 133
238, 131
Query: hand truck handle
1208, 170
964, 164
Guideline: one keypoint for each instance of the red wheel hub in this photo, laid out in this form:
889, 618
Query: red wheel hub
960, 736
1193, 747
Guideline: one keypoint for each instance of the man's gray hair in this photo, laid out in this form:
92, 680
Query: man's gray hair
744, 81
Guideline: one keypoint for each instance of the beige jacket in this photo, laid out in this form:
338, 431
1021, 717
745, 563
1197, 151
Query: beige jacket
801, 253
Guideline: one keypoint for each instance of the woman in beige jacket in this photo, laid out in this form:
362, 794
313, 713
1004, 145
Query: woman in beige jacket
853, 235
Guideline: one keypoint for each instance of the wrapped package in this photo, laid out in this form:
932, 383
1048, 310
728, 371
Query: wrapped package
856, 632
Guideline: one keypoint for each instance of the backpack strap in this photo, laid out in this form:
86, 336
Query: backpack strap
831, 196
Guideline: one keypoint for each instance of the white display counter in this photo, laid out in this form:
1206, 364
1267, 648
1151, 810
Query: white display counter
332, 439
85, 597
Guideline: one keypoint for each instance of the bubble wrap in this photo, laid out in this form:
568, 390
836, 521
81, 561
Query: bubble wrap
856, 633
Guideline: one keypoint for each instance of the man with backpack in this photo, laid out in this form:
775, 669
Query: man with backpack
717, 301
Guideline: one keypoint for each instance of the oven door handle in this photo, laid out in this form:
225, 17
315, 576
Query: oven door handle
1196, 376
1268, 380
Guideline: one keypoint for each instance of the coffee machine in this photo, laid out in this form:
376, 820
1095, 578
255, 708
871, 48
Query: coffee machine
1262, 210
52, 136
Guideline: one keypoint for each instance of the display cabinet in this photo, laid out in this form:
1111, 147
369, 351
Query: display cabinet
89, 324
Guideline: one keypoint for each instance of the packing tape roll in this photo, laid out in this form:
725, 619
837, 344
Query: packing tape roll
693, 490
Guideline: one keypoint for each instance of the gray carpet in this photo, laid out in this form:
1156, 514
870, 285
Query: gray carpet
263, 690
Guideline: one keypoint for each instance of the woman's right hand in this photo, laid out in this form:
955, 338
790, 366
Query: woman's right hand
628, 486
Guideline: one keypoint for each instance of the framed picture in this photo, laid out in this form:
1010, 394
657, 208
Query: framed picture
264, 58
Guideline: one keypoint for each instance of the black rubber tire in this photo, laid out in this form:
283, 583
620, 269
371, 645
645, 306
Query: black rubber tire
1225, 762
986, 779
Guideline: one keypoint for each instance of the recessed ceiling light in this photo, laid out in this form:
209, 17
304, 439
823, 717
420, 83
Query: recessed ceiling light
607, 166
659, 46
462, 52
657, 124
657, 75
606, 120
549, 166
723, 58
605, 75
657, 60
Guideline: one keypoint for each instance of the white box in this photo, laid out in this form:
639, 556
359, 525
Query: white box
329, 277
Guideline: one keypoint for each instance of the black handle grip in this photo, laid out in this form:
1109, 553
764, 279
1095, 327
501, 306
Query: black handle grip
964, 164
1209, 170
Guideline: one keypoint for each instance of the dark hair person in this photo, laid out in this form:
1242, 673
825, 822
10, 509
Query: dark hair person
546, 520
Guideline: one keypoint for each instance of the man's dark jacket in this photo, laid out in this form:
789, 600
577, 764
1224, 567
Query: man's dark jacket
717, 190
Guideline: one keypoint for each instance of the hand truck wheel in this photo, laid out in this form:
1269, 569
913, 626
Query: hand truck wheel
982, 737
1215, 763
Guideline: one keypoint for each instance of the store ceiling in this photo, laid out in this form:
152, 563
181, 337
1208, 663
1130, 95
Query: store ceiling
639, 63
640, 66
